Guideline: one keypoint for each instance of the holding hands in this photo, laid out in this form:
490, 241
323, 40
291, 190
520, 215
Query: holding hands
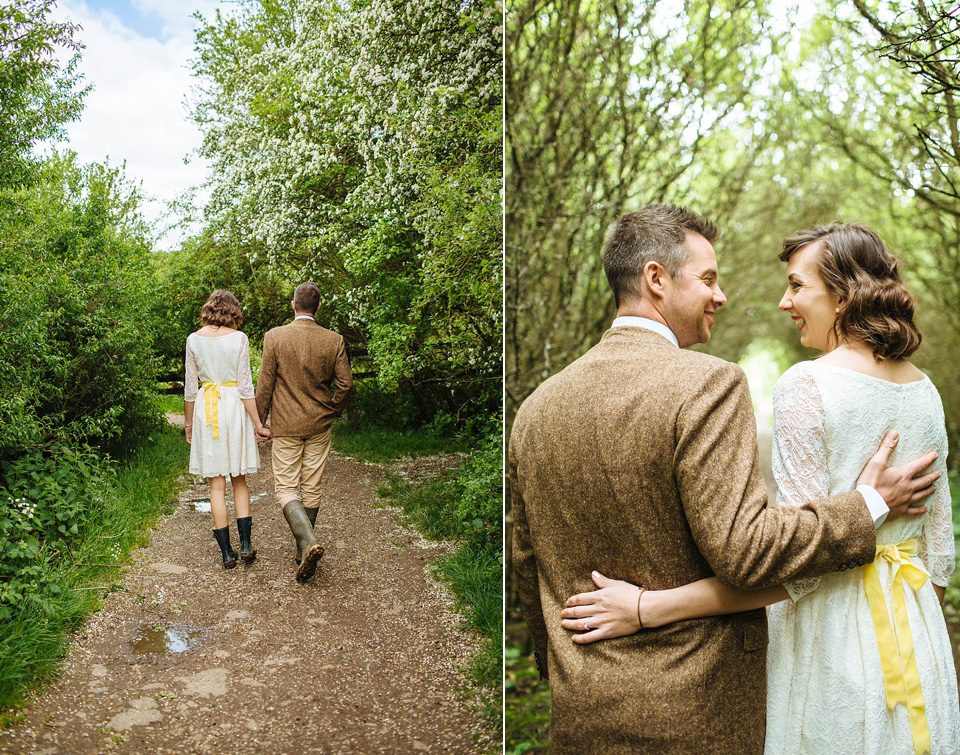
263, 433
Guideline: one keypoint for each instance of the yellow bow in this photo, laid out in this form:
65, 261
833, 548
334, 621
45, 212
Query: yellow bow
211, 400
900, 674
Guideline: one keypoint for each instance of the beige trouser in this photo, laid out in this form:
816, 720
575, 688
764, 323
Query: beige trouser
298, 464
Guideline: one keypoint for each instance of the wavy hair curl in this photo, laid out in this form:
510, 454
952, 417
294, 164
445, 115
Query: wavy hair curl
222, 308
856, 267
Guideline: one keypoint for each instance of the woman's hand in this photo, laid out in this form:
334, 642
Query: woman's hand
609, 612
189, 429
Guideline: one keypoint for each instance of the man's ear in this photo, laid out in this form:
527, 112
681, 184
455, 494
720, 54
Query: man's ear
293, 305
654, 279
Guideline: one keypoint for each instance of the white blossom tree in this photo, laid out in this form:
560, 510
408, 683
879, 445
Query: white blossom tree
358, 144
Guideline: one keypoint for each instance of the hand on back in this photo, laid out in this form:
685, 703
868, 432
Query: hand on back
904, 486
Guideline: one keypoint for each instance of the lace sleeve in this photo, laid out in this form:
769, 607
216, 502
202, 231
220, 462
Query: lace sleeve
190, 380
244, 378
799, 452
936, 546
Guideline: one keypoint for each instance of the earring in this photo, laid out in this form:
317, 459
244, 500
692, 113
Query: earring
837, 310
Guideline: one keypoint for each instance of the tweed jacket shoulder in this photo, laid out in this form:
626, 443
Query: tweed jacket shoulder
640, 460
305, 378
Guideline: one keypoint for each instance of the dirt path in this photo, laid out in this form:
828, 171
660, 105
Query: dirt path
193, 658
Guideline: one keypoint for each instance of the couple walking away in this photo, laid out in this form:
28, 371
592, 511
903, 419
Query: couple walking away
304, 385
653, 488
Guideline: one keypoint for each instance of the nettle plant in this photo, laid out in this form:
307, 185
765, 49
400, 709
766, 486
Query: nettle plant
46, 500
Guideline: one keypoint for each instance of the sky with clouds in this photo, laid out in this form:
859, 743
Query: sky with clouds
137, 59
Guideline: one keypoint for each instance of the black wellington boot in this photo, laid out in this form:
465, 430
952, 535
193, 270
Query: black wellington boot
247, 552
302, 530
312, 516
223, 540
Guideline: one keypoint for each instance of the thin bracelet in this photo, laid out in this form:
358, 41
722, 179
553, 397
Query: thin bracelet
642, 591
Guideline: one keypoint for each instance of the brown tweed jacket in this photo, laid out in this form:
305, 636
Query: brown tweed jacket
302, 362
640, 460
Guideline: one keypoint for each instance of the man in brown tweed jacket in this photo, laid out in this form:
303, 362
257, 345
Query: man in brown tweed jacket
304, 383
640, 460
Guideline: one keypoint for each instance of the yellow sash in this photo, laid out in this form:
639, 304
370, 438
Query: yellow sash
900, 674
211, 399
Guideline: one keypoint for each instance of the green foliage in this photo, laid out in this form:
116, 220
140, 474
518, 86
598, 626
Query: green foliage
74, 341
84, 516
526, 696
464, 504
383, 444
36, 95
46, 503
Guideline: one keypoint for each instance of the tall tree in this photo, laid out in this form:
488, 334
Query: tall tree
37, 92
609, 107
358, 144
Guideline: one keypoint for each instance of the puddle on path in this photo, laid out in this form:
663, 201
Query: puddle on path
203, 504
162, 640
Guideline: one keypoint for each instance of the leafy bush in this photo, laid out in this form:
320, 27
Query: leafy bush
54, 575
46, 504
75, 352
75, 344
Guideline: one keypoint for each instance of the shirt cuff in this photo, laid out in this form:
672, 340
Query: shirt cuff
875, 504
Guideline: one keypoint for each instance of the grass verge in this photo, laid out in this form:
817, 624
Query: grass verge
34, 640
380, 444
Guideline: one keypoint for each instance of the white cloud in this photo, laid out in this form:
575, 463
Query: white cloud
136, 111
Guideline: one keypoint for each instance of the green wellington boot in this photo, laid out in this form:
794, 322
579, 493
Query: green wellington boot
312, 516
311, 551
247, 552
223, 540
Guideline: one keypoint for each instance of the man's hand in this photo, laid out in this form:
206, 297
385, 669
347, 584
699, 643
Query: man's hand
263, 433
902, 486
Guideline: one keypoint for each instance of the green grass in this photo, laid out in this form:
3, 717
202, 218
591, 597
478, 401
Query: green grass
380, 444
527, 696
171, 402
35, 639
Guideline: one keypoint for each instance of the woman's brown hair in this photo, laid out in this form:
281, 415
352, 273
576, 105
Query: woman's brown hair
875, 307
222, 308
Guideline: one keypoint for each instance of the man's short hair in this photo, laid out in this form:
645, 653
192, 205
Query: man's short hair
654, 234
307, 298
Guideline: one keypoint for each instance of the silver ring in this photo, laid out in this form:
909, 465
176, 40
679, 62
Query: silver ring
586, 624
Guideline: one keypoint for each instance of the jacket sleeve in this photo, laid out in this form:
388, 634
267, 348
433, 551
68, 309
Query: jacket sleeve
525, 567
342, 380
746, 542
268, 376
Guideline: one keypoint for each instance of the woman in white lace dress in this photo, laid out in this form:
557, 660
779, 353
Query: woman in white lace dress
859, 661
224, 442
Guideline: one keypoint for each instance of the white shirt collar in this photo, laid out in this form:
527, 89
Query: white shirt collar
644, 322
304, 317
